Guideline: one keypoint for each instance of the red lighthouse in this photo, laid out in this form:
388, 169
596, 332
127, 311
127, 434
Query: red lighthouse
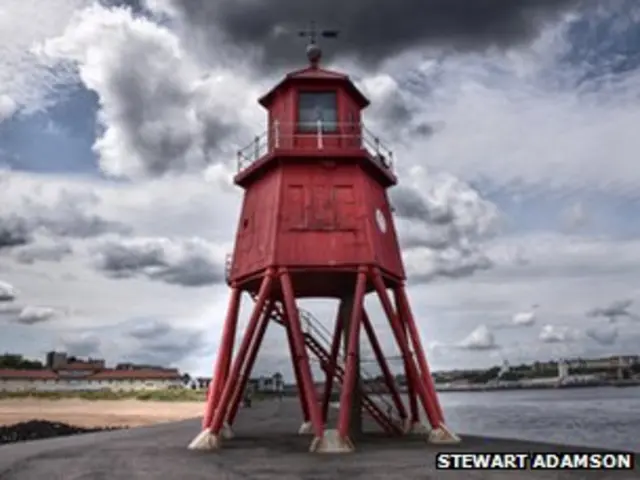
316, 222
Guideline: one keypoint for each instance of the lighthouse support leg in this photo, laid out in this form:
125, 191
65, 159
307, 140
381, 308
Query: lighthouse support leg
440, 432
306, 427
212, 439
386, 371
302, 359
401, 339
347, 312
413, 401
338, 441
248, 366
331, 368
413, 422
221, 370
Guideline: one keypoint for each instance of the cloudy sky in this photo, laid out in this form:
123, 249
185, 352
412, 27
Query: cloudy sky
514, 129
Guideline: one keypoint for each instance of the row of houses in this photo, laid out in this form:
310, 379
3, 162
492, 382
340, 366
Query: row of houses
66, 373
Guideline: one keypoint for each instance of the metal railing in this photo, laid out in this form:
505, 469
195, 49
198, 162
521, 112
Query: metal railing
316, 136
228, 263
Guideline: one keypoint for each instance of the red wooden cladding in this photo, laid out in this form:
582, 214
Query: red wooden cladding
317, 216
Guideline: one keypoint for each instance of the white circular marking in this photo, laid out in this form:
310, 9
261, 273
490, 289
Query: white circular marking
381, 221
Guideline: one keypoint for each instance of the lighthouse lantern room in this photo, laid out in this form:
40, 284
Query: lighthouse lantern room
316, 222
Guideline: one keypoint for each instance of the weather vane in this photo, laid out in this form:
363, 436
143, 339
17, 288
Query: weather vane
314, 53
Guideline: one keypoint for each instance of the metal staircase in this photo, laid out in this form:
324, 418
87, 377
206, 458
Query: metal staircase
317, 340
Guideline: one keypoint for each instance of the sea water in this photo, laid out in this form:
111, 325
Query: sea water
606, 417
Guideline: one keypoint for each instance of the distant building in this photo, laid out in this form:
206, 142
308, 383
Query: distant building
63, 373
196, 383
136, 366
273, 383
60, 360
563, 369
55, 359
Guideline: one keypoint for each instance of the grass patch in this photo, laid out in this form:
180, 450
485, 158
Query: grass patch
168, 395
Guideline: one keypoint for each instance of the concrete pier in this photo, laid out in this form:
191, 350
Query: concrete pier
266, 446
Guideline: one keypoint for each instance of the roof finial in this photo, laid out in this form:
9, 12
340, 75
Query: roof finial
314, 52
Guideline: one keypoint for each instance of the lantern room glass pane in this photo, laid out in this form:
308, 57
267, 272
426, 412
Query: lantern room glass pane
314, 106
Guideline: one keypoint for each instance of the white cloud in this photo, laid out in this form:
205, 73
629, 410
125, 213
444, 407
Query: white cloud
552, 254
480, 339
32, 315
525, 318
7, 107
511, 120
159, 110
7, 292
442, 222
555, 334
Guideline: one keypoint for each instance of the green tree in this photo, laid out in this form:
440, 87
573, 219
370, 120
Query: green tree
13, 360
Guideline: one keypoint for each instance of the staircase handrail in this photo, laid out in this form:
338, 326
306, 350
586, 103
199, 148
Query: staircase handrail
324, 334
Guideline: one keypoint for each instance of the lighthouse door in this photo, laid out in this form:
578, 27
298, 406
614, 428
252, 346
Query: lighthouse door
322, 208
345, 208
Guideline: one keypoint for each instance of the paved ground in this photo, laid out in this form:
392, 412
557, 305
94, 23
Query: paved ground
264, 448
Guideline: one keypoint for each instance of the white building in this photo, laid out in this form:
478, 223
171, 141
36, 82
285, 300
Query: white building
197, 383
273, 383
563, 369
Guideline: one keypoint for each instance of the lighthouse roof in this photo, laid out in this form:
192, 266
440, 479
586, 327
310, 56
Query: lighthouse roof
313, 74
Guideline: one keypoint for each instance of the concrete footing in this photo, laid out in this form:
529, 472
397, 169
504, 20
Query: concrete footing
305, 429
331, 442
206, 440
442, 435
417, 428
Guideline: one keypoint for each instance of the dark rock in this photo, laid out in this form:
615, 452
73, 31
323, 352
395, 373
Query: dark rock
39, 429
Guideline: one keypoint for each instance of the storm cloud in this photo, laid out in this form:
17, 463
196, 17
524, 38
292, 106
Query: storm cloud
614, 311
161, 343
372, 30
51, 251
37, 225
80, 344
14, 231
188, 263
603, 336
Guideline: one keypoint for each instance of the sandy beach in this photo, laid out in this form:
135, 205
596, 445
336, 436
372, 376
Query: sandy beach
97, 413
